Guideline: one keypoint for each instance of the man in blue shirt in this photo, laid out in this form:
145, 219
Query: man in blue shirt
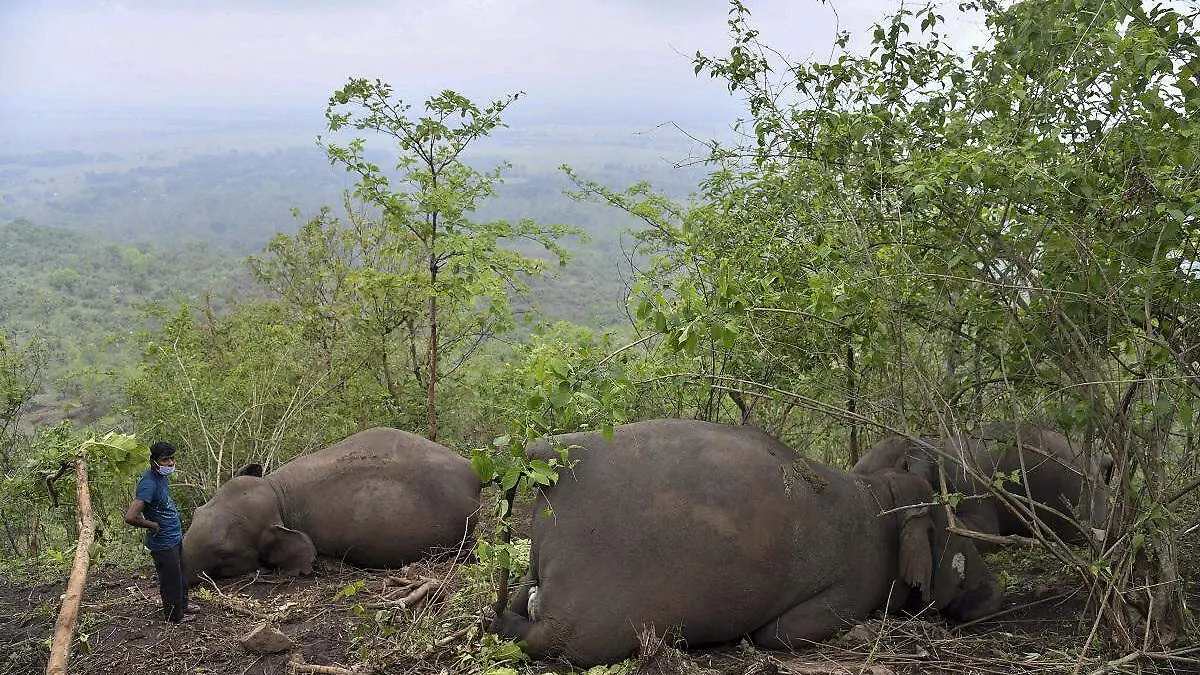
154, 510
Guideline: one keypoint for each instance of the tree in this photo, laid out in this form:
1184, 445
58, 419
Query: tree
414, 258
20, 377
239, 389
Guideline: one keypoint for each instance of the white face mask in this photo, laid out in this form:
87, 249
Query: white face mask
164, 470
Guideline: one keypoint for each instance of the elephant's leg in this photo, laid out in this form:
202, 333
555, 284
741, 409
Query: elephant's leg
810, 621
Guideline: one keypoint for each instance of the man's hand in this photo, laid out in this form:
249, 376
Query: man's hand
133, 516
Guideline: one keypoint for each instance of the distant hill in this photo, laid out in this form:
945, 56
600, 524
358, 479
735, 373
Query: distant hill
90, 235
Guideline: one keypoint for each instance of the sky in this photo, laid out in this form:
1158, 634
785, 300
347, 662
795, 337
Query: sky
573, 58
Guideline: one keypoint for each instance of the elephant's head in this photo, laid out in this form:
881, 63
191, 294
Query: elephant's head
241, 529
944, 568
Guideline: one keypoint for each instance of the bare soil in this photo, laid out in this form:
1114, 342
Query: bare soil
1046, 624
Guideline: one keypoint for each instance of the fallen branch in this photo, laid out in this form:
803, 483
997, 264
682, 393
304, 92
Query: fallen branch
413, 598
231, 603
446, 641
323, 670
297, 665
1179, 656
68, 616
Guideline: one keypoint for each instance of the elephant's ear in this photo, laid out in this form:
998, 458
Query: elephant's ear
288, 550
916, 529
916, 550
255, 470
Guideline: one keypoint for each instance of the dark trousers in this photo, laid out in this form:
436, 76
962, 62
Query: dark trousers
172, 581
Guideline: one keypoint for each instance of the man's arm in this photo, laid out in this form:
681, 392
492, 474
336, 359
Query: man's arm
133, 516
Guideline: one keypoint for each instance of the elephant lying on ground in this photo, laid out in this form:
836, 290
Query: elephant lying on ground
379, 498
1056, 474
719, 532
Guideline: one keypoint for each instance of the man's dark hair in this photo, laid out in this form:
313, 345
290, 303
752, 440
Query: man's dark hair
162, 450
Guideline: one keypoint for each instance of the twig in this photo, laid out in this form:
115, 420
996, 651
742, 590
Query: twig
204, 576
1117, 663
252, 664
442, 642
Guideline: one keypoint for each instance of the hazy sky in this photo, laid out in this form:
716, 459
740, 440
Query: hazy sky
568, 55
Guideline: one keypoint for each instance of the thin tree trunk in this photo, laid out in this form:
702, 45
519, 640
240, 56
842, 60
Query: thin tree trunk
502, 574
68, 616
433, 354
393, 390
852, 403
34, 545
12, 539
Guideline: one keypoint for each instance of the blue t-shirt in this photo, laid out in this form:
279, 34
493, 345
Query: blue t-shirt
155, 491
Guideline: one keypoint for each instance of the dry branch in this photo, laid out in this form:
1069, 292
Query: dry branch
323, 670
413, 597
68, 616
297, 665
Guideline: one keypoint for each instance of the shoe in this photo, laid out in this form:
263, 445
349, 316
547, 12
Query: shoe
186, 618
192, 608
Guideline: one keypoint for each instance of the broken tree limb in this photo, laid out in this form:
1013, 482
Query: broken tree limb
297, 665
322, 670
412, 597
68, 616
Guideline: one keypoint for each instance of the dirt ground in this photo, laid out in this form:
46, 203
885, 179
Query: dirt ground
370, 630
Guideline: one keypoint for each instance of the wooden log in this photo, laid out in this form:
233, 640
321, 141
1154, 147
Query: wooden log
68, 615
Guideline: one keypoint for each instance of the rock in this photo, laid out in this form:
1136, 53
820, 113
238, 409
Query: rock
266, 639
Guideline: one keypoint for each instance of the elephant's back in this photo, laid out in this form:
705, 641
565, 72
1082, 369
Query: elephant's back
379, 448
381, 497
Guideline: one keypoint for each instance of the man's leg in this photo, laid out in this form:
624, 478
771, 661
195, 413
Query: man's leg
170, 582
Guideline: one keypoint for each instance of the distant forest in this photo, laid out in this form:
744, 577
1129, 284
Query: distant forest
94, 244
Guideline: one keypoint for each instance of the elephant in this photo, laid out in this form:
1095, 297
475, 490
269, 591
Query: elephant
1056, 474
379, 498
718, 532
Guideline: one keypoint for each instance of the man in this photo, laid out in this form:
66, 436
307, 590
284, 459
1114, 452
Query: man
154, 510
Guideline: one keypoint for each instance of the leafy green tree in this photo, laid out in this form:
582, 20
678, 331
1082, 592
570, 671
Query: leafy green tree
415, 260
246, 387
20, 377
64, 278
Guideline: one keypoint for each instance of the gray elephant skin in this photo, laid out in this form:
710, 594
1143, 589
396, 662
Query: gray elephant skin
380, 498
716, 532
1053, 472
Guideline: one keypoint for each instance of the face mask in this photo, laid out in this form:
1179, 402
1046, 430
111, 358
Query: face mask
164, 470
